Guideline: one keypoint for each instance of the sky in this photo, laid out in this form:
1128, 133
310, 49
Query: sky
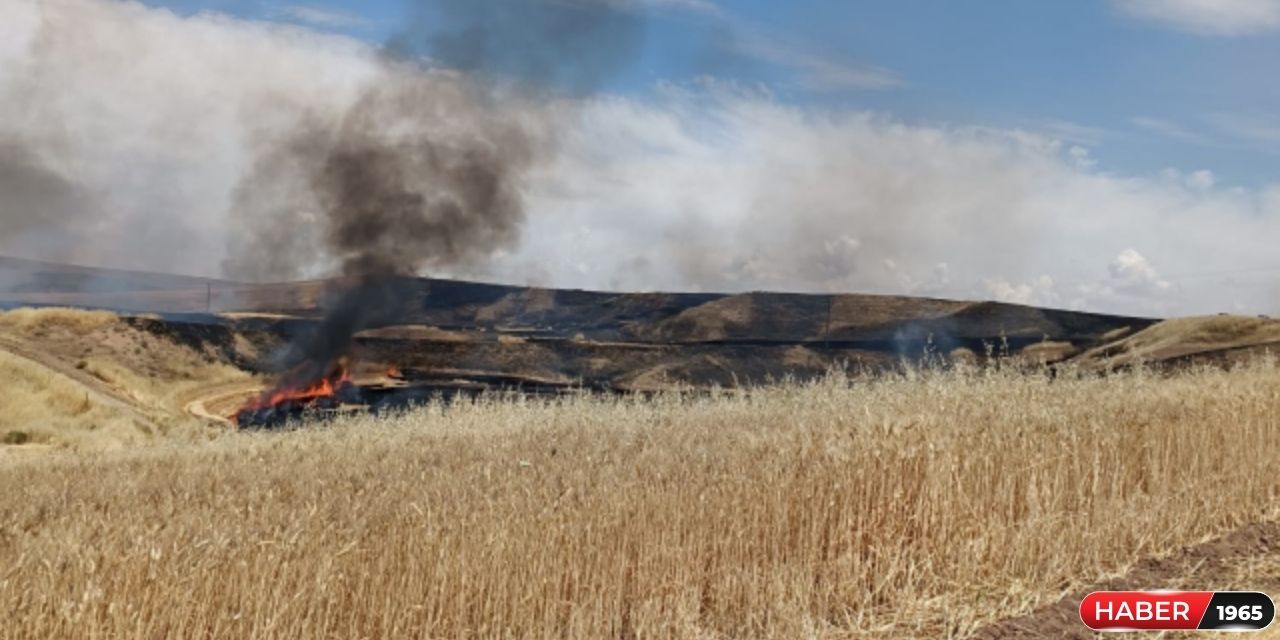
1110, 155
1144, 84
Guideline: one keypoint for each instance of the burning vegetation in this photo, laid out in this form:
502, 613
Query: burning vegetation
412, 177
295, 395
426, 169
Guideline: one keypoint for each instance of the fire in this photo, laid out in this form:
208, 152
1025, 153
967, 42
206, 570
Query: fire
393, 372
306, 394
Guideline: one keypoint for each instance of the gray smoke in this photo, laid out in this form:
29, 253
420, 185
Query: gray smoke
426, 169
36, 196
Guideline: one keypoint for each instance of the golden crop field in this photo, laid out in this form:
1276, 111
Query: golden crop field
922, 505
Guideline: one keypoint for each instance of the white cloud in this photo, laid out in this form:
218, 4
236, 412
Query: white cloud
1207, 17
1202, 180
1080, 156
712, 187
1168, 129
695, 6
817, 72
1039, 292
323, 18
733, 191
1075, 132
1132, 273
1269, 199
1249, 127
813, 71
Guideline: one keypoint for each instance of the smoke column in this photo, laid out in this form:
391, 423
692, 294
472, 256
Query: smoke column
426, 168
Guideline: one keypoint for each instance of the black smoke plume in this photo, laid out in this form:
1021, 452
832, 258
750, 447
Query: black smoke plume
425, 170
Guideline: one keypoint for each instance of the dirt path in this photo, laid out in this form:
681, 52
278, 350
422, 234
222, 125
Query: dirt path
218, 402
1245, 559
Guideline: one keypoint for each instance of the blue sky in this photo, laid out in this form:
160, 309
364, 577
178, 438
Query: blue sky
1144, 84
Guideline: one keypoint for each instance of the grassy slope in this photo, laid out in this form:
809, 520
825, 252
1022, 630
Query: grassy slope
88, 380
1182, 337
904, 507
40, 406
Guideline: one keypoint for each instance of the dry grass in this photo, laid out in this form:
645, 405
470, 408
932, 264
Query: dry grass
35, 321
1182, 336
909, 507
150, 369
87, 380
40, 406
1046, 352
162, 377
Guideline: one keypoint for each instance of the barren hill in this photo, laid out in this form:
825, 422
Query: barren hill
638, 317
468, 335
599, 337
486, 334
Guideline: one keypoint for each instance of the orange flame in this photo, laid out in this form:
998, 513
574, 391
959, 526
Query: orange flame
326, 387
394, 372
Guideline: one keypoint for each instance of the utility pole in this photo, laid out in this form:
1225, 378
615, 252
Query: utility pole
826, 331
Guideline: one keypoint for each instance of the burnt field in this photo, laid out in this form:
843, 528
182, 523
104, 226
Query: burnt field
447, 338
319, 349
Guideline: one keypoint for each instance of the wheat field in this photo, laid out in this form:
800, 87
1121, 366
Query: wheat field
917, 505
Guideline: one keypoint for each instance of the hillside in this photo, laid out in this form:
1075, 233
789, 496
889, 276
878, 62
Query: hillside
1222, 339
541, 312
186, 345
626, 340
